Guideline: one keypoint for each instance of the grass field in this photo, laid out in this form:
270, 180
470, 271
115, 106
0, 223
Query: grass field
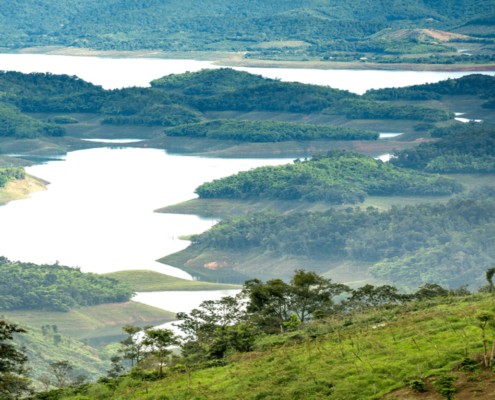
377, 354
20, 189
96, 324
149, 281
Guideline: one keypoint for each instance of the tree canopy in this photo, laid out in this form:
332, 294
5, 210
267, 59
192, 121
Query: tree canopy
55, 287
339, 177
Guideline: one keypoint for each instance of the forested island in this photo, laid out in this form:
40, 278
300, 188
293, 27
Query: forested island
337, 178
235, 109
27, 286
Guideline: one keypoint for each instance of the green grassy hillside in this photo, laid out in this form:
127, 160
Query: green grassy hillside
96, 324
388, 353
149, 281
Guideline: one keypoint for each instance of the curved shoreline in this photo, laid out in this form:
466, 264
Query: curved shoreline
21, 189
236, 59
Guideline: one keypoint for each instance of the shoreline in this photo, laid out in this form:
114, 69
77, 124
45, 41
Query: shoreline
236, 59
21, 189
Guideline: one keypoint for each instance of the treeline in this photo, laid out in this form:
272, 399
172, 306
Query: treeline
462, 148
10, 174
337, 178
268, 131
184, 99
27, 286
474, 85
449, 243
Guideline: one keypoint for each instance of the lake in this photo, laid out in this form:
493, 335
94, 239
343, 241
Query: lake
97, 213
113, 73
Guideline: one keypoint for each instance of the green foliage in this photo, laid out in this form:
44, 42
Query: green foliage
15, 124
445, 243
218, 25
26, 286
228, 90
268, 131
337, 178
14, 382
445, 386
466, 148
10, 174
417, 385
307, 296
335, 358
475, 84
150, 281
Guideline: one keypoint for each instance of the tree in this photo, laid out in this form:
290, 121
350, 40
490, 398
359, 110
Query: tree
159, 342
13, 372
61, 370
268, 303
117, 367
374, 296
210, 328
485, 320
132, 346
308, 296
312, 296
489, 277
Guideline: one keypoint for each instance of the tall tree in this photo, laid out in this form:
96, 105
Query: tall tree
13, 372
159, 342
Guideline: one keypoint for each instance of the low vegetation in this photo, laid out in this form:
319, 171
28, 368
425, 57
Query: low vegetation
310, 337
11, 173
149, 281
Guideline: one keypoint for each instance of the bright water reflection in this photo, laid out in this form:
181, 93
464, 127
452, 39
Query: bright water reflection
181, 301
113, 73
98, 210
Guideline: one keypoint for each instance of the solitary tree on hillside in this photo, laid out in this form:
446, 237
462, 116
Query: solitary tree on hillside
489, 277
159, 342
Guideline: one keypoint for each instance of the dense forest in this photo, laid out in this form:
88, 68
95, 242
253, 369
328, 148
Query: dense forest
230, 90
268, 131
337, 178
479, 85
447, 243
183, 100
27, 286
263, 30
465, 148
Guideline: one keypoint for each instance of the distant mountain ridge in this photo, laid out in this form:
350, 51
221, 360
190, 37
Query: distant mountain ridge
234, 25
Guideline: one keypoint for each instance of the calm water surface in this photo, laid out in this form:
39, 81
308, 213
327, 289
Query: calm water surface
112, 73
97, 213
